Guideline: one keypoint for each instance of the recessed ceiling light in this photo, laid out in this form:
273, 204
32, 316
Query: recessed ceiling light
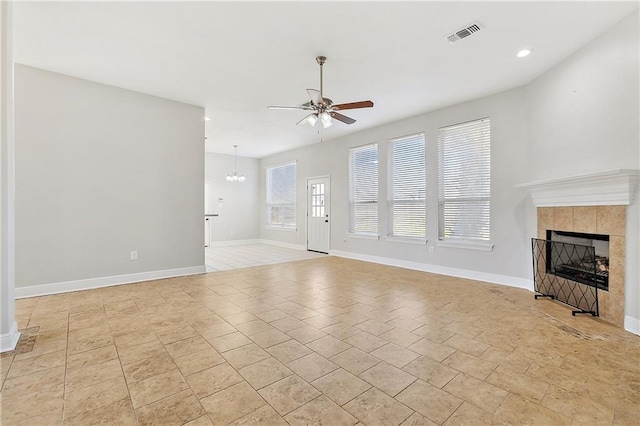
207, 119
523, 53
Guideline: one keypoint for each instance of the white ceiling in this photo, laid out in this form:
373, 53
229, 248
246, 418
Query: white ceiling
235, 58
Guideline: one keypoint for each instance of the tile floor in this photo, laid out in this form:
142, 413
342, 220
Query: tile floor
324, 341
223, 258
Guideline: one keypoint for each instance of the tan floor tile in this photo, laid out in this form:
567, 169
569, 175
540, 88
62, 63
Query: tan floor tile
341, 386
118, 413
95, 396
264, 372
374, 327
470, 364
374, 407
463, 329
406, 324
35, 364
341, 330
156, 387
306, 334
395, 355
355, 361
352, 318
187, 346
92, 357
213, 380
146, 368
328, 346
198, 361
320, 411
515, 410
288, 351
83, 343
477, 392
34, 382
574, 404
519, 384
435, 334
312, 366
287, 324
288, 394
270, 338
508, 360
388, 378
229, 341
417, 420
239, 318
264, 415
134, 338
50, 418
200, 421
465, 344
400, 337
140, 352
179, 408
467, 414
175, 334
213, 329
232, 403
320, 321
15, 410
365, 341
245, 355
254, 327
429, 401
433, 350
91, 375
271, 315
430, 371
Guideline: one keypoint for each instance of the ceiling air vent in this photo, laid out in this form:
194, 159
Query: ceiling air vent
465, 32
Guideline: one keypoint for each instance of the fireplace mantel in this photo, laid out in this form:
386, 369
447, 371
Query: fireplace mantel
614, 187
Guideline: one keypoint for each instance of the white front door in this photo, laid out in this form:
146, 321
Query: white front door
318, 211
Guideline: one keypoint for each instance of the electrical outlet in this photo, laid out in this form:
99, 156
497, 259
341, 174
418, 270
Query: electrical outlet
431, 249
133, 255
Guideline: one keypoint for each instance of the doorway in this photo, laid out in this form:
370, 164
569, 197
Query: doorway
318, 214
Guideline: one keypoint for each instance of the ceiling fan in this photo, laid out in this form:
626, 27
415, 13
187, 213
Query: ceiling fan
322, 108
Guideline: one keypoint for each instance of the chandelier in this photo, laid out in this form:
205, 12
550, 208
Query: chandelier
235, 177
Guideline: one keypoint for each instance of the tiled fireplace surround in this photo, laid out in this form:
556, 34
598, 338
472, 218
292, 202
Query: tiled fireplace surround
595, 203
605, 220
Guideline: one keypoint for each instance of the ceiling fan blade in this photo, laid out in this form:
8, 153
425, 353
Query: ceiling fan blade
309, 119
289, 107
343, 118
315, 96
353, 105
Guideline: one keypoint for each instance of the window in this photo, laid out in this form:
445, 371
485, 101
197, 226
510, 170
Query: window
281, 196
407, 187
363, 190
465, 181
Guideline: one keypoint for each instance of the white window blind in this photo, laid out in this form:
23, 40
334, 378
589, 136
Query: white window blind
363, 190
465, 181
407, 186
281, 196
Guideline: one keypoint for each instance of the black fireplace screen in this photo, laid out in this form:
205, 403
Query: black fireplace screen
567, 272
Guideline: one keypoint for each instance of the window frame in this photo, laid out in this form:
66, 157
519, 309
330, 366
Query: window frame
482, 138
354, 230
292, 206
394, 199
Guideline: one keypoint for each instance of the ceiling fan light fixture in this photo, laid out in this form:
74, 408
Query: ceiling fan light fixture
325, 117
312, 120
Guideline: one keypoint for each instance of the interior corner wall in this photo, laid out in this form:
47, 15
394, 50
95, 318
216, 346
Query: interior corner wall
234, 202
511, 208
100, 172
584, 118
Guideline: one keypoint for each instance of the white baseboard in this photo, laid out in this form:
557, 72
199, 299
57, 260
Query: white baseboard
9, 340
67, 286
632, 325
442, 270
285, 245
233, 243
